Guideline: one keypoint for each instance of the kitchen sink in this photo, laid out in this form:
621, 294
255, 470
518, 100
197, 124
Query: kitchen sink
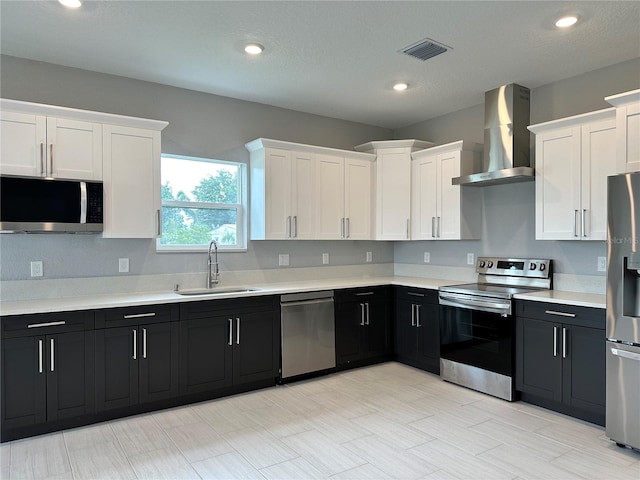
215, 291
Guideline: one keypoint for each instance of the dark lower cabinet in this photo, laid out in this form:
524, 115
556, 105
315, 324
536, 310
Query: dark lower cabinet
560, 358
417, 337
363, 325
136, 356
47, 371
228, 342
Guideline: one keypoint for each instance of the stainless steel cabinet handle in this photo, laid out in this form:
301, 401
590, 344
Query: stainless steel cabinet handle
367, 307
140, 315
46, 324
560, 314
348, 222
575, 223
362, 294
135, 344
159, 222
237, 330
295, 226
40, 342
289, 226
413, 315
564, 342
415, 294
342, 228
438, 227
42, 171
144, 343
230, 332
53, 368
418, 316
584, 228
51, 159
408, 225
555, 341
433, 227
362, 314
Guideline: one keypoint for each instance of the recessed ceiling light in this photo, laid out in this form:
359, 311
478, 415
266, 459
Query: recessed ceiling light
253, 48
399, 87
566, 21
71, 3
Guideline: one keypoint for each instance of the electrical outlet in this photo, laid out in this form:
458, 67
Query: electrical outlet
325, 259
36, 269
123, 265
283, 260
602, 264
427, 257
369, 257
471, 259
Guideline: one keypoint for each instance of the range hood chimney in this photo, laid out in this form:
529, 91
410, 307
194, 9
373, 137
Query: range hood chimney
506, 138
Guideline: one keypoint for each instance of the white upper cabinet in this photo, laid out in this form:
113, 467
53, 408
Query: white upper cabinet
574, 156
440, 210
627, 130
392, 186
37, 143
282, 191
132, 203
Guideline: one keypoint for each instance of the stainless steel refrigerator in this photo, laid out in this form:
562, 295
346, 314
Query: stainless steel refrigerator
623, 310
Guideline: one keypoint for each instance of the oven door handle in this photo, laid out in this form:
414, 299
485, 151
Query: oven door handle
464, 301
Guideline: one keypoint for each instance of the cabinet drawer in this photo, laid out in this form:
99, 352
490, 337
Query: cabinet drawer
361, 294
46, 323
417, 294
136, 315
231, 306
556, 312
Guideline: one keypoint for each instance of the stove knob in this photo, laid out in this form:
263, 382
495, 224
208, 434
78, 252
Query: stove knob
532, 266
489, 264
481, 263
542, 267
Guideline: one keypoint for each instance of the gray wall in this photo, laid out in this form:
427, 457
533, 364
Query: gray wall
509, 210
199, 125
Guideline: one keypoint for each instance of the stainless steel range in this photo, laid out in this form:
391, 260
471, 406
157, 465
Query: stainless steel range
477, 329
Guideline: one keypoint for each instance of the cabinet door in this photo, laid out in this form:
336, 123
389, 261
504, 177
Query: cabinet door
357, 198
22, 150
449, 205
424, 198
23, 382
558, 184
303, 195
628, 138
329, 197
584, 368
131, 171
393, 195
158, 361
406, 343
378, 335
117, 356
350, 325
278, 194
206, 354
428, 332
255, 353
74, 149
70, 375
538, 358
598, 148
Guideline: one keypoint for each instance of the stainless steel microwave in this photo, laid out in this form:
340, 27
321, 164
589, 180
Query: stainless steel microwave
45, 205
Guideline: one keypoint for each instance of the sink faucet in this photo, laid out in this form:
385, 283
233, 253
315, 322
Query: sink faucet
214, 273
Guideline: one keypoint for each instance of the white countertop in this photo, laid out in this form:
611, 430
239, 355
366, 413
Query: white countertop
88, 302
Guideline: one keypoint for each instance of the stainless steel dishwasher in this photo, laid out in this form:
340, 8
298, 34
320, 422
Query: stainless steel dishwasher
308, 333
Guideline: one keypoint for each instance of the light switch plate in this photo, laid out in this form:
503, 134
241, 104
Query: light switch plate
471, 259
123, 265
427, 257
602, 264
325, 259
36, 268
369, 257
283, 260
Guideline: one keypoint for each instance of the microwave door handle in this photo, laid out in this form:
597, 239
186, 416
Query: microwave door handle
83, 202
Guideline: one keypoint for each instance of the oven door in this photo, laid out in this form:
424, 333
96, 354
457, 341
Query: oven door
477, 338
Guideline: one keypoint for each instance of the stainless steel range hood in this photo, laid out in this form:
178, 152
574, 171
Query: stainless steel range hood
506, 138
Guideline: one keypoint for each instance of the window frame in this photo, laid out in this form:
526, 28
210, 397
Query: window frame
239, 208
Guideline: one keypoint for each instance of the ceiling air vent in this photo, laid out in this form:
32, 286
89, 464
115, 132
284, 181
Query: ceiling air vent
425, 49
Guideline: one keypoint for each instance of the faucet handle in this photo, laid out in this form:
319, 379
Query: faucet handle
177, 287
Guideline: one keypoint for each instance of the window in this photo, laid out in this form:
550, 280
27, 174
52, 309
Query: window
202, 200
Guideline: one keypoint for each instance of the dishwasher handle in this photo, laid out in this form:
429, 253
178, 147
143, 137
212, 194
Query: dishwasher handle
306, 302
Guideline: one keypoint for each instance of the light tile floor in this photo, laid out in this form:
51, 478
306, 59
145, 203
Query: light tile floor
385, 421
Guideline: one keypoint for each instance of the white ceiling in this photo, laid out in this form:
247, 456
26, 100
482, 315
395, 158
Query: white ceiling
332, 58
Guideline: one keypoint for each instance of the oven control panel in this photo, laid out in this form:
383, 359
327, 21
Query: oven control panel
514, 267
